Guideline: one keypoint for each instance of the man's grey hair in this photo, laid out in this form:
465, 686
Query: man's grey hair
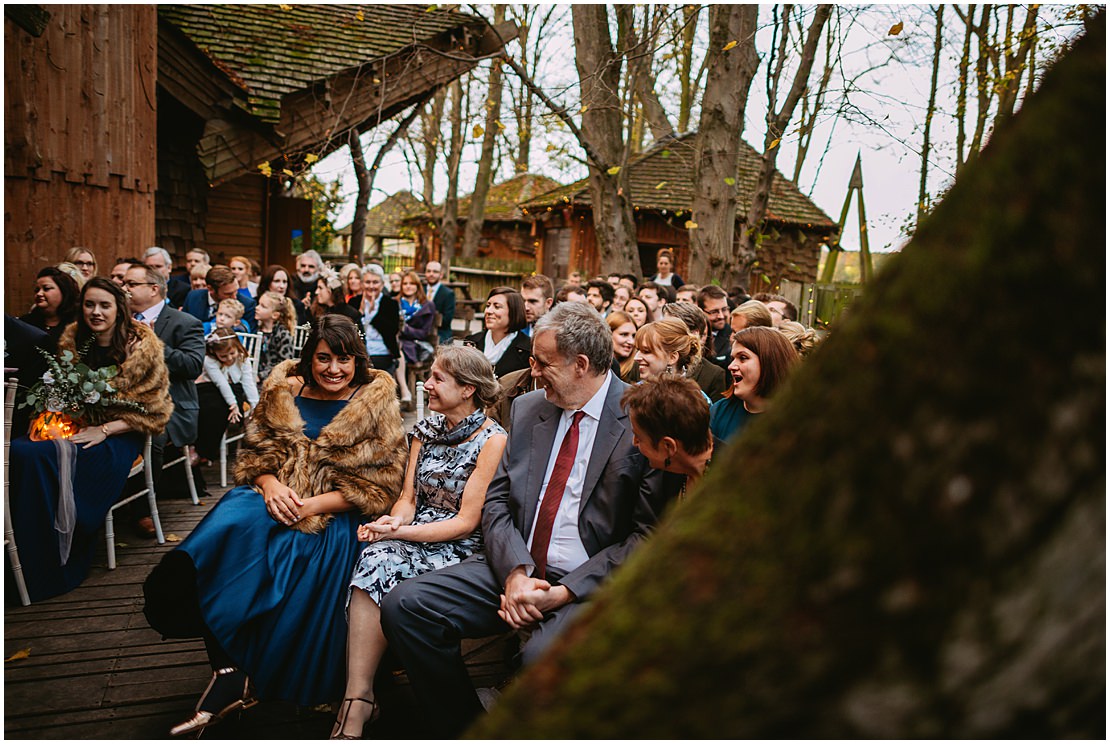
158, 251
579, 329
153, 277
201, 251
316, 257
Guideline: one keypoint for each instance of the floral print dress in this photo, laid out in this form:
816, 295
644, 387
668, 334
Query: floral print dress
443, 466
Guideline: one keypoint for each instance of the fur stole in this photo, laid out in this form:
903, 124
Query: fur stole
361, 453
142, 378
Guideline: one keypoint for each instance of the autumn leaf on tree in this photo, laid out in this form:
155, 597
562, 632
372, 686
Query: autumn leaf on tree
895, 29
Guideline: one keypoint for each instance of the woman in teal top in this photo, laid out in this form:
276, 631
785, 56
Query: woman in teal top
761, 359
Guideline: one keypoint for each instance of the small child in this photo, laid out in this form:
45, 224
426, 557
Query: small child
198, 276
228, 383
229, 317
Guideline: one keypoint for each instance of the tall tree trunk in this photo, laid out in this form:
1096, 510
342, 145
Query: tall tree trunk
431, 125
472, 234
365, 176
716, 167
961, 86
747, 243
362, 199
942, 577
807, 120
641, 55
930, 110
688, 85
449, 224
1015, 62
599, 75
983, 83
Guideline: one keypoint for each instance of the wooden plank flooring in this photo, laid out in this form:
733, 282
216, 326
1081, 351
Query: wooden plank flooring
96, 670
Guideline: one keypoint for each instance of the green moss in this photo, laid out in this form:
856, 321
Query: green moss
918, 470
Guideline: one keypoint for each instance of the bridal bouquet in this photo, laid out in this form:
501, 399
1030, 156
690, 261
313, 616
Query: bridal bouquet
71, 395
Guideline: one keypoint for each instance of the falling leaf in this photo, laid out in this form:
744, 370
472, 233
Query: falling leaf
172, 538
774, 144
360, 16
265, 168
730, 181
691, 225
766, 279
22, 653
665, 154
377, 81
661, 184
431, 8
478, 131
614, 170
895, 29
500, 126
551, 148
583, 109
730, 45
286, 7
287, 172
121, 545
311, 158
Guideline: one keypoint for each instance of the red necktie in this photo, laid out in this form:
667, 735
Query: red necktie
545, 520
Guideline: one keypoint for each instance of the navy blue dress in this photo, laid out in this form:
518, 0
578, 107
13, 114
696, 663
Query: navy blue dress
273, 597
99, 476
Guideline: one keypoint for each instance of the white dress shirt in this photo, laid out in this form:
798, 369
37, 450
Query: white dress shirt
566, 552
151, 314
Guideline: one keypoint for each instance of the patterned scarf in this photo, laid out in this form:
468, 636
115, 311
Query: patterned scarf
433, 430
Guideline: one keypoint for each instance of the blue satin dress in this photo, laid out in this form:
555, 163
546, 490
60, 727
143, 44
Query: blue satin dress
274, 597
99, 476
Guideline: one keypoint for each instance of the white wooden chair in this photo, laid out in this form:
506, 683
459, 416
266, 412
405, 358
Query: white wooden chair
300, 337
10, 387
252, 342
184, 458
141, 466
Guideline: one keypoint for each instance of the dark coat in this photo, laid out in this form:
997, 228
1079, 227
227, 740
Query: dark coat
417, 328
387, 322
444, 301
183, 338
196, 304
514, 358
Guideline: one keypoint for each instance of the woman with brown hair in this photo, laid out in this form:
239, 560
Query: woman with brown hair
60, 491
762, 358
262, 578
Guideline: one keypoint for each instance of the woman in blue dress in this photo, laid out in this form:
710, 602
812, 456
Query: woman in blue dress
452, 458
263, 578
60, 491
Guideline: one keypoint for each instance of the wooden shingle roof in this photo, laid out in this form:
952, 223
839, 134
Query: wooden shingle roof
504, 199
663, 179
274, 50
386, 219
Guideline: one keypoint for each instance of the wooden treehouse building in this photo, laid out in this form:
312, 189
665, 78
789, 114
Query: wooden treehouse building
181, 125
661, 181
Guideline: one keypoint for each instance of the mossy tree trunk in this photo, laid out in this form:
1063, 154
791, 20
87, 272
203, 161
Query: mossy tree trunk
912, 542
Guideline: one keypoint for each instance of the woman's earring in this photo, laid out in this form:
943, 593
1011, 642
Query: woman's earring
667, 463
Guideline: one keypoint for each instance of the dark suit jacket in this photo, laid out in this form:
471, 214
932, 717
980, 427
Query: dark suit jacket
387, 321
196, 304
445, 305
514, 358
183, 338
622, 496
177, 289
720, 347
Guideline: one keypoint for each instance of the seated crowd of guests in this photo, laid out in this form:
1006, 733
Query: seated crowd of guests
556, 438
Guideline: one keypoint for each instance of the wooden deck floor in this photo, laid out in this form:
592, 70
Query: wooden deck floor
95, 669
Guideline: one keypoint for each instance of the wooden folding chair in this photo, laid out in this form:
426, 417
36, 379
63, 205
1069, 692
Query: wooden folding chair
10, 386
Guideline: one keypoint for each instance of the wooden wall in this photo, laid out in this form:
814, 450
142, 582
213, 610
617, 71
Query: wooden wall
237, 217
80, 137
790, 253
